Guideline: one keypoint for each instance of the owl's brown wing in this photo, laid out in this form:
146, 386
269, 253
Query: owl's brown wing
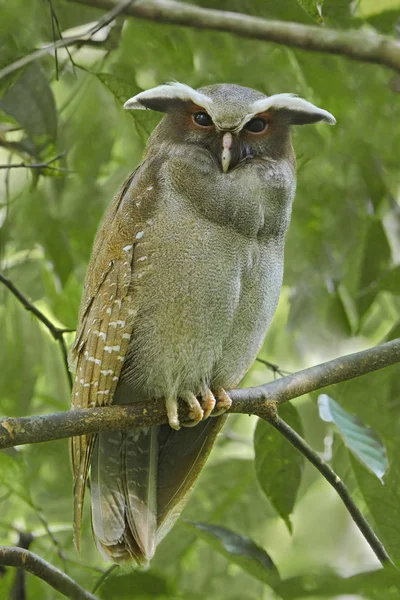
105, 324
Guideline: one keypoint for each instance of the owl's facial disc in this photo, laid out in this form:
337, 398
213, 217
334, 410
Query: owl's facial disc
232, 141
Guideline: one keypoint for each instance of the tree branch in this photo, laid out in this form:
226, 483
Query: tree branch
42, 165
317, 377
261, 401
356, 45
335, 481
24, 559
56, 332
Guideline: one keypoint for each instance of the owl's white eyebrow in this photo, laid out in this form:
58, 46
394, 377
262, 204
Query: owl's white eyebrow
170, 91
290, 102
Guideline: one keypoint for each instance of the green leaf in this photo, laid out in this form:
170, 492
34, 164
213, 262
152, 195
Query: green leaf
238, 549
30, 101
376, 585
375, 397
349, 307
383, 505
13, 474
364, 443
122, 90
278, 464
134, 585
21, 351
312, 8
391, 281
367, 8
376, 260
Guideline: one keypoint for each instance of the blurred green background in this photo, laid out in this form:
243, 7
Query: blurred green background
341, 294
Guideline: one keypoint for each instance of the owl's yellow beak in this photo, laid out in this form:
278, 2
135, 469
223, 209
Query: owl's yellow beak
226, 155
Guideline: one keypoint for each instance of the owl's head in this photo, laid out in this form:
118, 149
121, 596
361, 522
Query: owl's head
236, 124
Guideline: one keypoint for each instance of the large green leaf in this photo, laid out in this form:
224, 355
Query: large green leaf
30, 101
383, 504
13, 474
377, 585
368, 7
375, 398
20, 355
312, 8
239, 550
360, 439
140, 585
122, 90
278, 464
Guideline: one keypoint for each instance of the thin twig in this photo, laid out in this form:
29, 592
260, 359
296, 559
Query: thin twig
54, 21
24, 559
272, 367
335, 481
53, 539
67, 41
55, 331
53, 31
261, 401
361, 45
42, 165
103, 577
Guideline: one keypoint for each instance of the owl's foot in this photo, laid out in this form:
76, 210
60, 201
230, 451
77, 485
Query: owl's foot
224, 402
196, 412
212, 404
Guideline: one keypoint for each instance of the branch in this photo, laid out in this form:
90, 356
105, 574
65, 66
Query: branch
261, 401
18, 590
334, 480
41, 165
103, 577
356, 45
24, 559
55, 331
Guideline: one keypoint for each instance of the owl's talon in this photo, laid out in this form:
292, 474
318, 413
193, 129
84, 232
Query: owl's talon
196, 412
208, 403
224, 402
174, 423
171, 406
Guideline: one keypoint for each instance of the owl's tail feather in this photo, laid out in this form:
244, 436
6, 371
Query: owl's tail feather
140, 482
123, 491
181, 457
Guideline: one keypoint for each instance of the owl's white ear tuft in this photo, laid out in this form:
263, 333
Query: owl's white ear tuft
292, 110
164, 97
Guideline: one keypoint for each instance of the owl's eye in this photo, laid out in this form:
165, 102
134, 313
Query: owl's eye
256, 125
202, 119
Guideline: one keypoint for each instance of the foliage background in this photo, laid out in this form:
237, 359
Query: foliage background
341, 290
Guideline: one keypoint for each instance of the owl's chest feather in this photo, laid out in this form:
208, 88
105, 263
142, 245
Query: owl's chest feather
254, 199
200, 286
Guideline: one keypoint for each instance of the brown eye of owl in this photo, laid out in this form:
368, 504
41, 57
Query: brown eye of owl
202, 119
256, 125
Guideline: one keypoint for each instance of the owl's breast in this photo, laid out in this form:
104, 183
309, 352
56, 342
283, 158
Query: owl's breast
204, 289
254, 199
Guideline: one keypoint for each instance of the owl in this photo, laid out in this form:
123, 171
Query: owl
182, 285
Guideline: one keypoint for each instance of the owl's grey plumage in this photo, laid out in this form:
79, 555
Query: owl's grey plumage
183, 283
